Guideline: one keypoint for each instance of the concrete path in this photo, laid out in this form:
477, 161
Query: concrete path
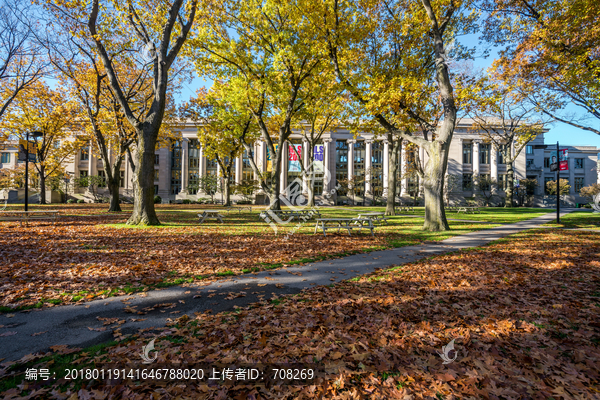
79, 325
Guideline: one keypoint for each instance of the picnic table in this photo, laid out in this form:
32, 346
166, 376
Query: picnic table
467, 209
344, 223
206, 214
26, 216
290, 215
239, 208
374, 216
404, 207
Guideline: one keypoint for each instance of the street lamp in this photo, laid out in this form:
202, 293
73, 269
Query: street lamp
34, 135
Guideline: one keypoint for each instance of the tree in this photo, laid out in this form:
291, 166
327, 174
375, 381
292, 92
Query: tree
551, 51
21, 59
590, 191
12, 178
209, 184
485, 186
92, 182
223, 130
393, 58
118, 29
265, 52
564, 188
246, 189
508, 121
50, 112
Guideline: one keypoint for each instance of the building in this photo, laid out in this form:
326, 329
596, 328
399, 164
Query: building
177, 170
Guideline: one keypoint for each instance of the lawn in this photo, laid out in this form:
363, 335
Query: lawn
93, 254
578, 220
523, 313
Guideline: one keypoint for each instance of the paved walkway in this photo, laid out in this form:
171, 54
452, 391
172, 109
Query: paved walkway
79, 326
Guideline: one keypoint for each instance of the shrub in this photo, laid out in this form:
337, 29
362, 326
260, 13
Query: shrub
186, 201
157, 199
70, 201
80, 201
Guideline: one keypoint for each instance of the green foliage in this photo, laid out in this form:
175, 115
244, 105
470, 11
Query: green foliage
157, 199
80, 201
564, 187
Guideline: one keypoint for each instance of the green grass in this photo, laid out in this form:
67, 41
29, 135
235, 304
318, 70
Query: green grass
577, 220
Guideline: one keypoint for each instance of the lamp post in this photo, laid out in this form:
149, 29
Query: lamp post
34, 134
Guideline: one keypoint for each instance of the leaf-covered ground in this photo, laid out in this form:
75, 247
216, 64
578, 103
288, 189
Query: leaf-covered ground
524, 313
90, 253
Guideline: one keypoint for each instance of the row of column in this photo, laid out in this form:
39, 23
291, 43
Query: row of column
329, 159
476, 162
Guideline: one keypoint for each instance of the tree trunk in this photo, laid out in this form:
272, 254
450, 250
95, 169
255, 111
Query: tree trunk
227, 193
42, 185
510, 174
143, 187
433, 184
113, 189
390, 207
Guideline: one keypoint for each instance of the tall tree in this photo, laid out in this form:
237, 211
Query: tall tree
223, 130
50, 112
158, 29
265, 50
392, 57
552, 50
508, 121
21, 58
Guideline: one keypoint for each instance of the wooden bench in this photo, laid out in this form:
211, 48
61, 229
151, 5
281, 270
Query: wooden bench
375, 217
404, 207
344, 223
206, 214
26, 216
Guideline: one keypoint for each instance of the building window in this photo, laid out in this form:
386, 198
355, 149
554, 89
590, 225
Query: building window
546, 180
484, 153
175, 181
529, 149
579, 182
247, 171
579, 163
341, 163
503, 149
83, 174
85, 153
211, 167
359, 168
546, 162
156, 159
484, 182
377, 168
5, 158
529, 163
193, 166
156, 175
467, 153
502, 182
122, 179
467, 181
155, 190
102, 175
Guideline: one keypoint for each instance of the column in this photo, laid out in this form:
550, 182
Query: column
350, 143
305, 149
494, 167
328, 172
421, 162
386, 166
475, 163
404, 169
368, 165
92, 161
284, 163
238, 169
202, 162
184, 165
